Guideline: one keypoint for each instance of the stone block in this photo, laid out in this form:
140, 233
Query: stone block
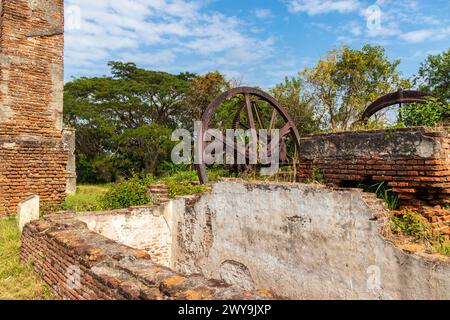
28, 210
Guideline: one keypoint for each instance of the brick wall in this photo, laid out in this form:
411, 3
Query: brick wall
159, 193
33, 158
415, 163
79, 264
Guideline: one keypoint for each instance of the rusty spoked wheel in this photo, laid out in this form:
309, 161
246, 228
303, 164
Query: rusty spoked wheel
395, 98
254, 109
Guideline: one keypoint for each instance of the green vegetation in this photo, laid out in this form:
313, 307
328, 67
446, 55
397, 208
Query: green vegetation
433, 76
430, 114
383, 192
87, 198
413, 224
17, 281
132, 192
124, 121
442, 248
316, 176
346, 81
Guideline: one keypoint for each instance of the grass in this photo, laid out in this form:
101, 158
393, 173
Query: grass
87, 198
17, 281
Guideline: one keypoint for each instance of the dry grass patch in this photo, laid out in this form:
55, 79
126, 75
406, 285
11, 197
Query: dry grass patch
17, 281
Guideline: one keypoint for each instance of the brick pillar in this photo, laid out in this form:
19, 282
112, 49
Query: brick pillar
32, 154
159, 193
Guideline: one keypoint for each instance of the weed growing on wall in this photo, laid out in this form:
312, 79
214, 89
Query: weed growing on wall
413, 224
382, 192
316, 176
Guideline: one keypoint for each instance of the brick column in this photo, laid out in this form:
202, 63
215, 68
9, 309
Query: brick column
32, 155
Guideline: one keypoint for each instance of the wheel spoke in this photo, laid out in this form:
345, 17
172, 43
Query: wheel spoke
285, 130
251, 119
272, 120
255, 106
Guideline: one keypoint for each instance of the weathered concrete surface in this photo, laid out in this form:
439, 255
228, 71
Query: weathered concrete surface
27, 211
69, 145
409, 142
300, 241
143, 228
296, 240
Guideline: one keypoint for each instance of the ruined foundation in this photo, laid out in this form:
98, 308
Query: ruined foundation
414, 162
256, 240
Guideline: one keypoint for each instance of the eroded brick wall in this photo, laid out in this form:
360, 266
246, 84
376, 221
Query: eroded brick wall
415, 162
143, 227
33, 157
79, 264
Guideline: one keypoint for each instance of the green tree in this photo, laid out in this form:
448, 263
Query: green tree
346, 81
204, 89
124, 121
434, 76
289, 95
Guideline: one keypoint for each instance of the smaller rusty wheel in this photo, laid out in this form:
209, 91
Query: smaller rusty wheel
400, 97
257, 110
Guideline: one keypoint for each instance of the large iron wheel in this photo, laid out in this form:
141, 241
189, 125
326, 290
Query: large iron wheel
258, 110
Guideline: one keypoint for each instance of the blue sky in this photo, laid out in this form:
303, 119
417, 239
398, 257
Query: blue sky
258, 42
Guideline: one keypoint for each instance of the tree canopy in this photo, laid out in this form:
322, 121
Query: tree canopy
434, 75
124, 121
346, 81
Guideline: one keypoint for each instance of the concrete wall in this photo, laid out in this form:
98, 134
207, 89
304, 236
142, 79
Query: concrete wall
296, 240
143, 228
300, 241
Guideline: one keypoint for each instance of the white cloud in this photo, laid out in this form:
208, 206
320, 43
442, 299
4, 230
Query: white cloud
421, 35
313, 7
396, 20
159, 34
263, 13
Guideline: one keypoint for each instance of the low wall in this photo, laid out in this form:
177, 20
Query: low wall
414, 161
145, 228
302, 242
80, 264
298, 241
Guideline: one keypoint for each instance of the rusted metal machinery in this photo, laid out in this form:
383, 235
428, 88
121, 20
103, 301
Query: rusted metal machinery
400, 97
254, 109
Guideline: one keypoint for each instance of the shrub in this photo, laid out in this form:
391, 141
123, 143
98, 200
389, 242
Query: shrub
87, 198
415, 225
132, 192
428, 114
183, 183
